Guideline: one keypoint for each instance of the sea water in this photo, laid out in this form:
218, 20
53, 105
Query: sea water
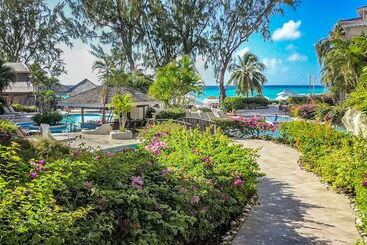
269, 91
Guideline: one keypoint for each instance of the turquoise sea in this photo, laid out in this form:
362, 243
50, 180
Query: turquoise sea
269, 91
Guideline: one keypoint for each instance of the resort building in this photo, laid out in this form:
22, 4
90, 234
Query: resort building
81, 87
93, 99
356, 26
21, 90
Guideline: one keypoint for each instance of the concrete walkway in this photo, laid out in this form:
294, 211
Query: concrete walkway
295, 208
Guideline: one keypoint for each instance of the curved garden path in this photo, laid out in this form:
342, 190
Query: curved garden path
295, 208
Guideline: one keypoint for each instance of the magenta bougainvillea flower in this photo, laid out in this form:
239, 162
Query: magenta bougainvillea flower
137, 182
194, 199
38, 167
110, 154
33, 175
238, 181
166, 171
156, 146
207, 160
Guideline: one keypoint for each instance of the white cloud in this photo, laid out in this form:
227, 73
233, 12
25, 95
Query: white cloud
289, 31
291, 47
297, 57
79, 62
272, 64
243, 51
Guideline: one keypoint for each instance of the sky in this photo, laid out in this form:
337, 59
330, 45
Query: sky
289, 55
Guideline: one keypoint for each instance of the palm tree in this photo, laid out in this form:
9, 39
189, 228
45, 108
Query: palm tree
121, 104
104, 68
342, 61
248, 75
6, 76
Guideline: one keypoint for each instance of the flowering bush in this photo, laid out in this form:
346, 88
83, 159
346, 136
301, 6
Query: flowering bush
245, 127
195, 185
305, 111
340, 159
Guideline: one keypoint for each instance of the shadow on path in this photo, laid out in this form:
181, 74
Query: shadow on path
278, 217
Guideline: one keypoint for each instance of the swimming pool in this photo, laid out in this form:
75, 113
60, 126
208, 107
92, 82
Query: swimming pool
69, 123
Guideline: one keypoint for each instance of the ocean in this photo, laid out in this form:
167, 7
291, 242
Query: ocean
269, 91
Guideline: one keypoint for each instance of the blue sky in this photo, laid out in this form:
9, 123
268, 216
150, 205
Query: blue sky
290, 54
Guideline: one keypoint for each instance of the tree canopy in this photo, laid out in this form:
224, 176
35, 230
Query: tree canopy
31, 32
6, 76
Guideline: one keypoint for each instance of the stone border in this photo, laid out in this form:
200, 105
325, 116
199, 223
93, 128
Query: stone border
236, 224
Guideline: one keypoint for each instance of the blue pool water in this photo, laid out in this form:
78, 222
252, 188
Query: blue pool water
269, 91
70, 122
77, 118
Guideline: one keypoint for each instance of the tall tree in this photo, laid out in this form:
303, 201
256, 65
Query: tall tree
175, 27
248, 75
117, 23
31, 32
236, 21
6, 76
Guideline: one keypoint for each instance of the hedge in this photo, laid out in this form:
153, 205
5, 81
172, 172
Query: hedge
238, 103
338, 158
172, 113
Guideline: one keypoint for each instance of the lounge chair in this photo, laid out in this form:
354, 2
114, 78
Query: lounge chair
105, 129
46, 133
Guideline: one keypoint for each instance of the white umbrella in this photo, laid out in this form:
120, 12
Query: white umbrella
280, 98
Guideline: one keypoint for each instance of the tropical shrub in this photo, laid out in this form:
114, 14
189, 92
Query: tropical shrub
298, 100
305, 111
338, 158
171, 113
21, 108
180, 187
174, 81
7, 129
51, 118
327, 113
245, 127
238, 103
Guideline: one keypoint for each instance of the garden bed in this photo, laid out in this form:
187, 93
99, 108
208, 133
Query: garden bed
178, 187
339, 159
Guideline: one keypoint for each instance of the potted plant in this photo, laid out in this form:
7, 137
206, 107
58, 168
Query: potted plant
121, 104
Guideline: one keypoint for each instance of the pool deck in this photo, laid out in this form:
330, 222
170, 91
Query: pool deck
270, 111
94, 142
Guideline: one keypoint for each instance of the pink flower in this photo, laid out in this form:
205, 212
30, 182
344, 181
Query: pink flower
166, 171
364, 183
42, 162
207, 159
110, 154
137, 182
205, 209
33, 175
88, 184
181, 190
238, 181
98, 157
194, 199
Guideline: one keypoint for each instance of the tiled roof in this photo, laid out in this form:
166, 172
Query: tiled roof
80, 84
18, 67
19, 87
93, 98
